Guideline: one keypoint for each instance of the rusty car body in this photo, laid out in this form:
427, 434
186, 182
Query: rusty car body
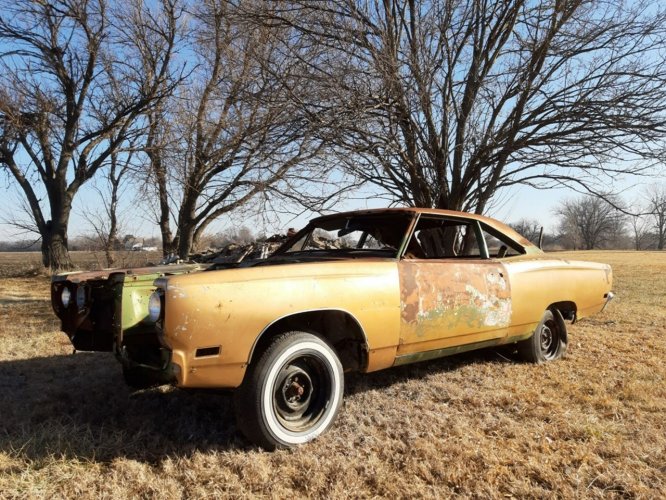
357, 291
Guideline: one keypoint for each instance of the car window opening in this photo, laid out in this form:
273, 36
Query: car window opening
441, 238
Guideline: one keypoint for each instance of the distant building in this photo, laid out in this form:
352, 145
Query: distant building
138, 247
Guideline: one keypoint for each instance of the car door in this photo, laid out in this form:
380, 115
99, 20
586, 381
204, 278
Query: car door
451, 292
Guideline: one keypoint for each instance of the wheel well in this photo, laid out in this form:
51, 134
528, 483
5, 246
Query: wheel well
566, 308
338, 328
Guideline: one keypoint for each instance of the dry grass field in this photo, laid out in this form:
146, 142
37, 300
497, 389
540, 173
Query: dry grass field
475, 425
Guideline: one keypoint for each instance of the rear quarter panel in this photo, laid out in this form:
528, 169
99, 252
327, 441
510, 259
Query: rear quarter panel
538, 283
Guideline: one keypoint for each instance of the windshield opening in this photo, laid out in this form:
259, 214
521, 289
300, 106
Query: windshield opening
353, 234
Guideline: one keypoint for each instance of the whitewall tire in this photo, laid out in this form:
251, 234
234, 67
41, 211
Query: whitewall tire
292, 393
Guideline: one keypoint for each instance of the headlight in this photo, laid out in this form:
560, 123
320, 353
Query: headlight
81, 297
65, 295
154, 306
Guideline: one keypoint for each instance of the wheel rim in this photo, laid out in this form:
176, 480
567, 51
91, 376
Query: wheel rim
301, 392
549, 339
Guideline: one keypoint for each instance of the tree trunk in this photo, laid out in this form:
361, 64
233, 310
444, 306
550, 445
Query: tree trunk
111, 239
112, 236
55, 254
186, 222
186, 240
169, 243
454, 201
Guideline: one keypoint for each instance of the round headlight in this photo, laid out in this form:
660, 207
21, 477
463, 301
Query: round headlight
65, 295
154, 306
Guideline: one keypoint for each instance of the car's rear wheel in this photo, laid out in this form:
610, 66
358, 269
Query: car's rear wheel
549, 341
292, 393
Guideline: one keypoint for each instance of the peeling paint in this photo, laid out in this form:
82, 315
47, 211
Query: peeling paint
444, 298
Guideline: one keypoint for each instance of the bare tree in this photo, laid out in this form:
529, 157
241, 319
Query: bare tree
105, 220
590, 222
529, 228
443, 103
70, 96
657, 210
640, 230
230, 132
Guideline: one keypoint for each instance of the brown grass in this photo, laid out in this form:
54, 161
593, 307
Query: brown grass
478, 425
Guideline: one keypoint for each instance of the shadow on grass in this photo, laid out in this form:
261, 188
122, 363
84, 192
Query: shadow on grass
360, 382
78, 407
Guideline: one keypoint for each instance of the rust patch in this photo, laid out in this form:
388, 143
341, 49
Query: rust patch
409, 294
447, 298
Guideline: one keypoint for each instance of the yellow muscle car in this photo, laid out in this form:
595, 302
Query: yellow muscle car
358, 291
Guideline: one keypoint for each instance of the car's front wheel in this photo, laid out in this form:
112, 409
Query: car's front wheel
549, 341
292, 393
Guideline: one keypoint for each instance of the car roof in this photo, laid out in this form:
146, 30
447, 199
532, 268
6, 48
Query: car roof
493, 223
